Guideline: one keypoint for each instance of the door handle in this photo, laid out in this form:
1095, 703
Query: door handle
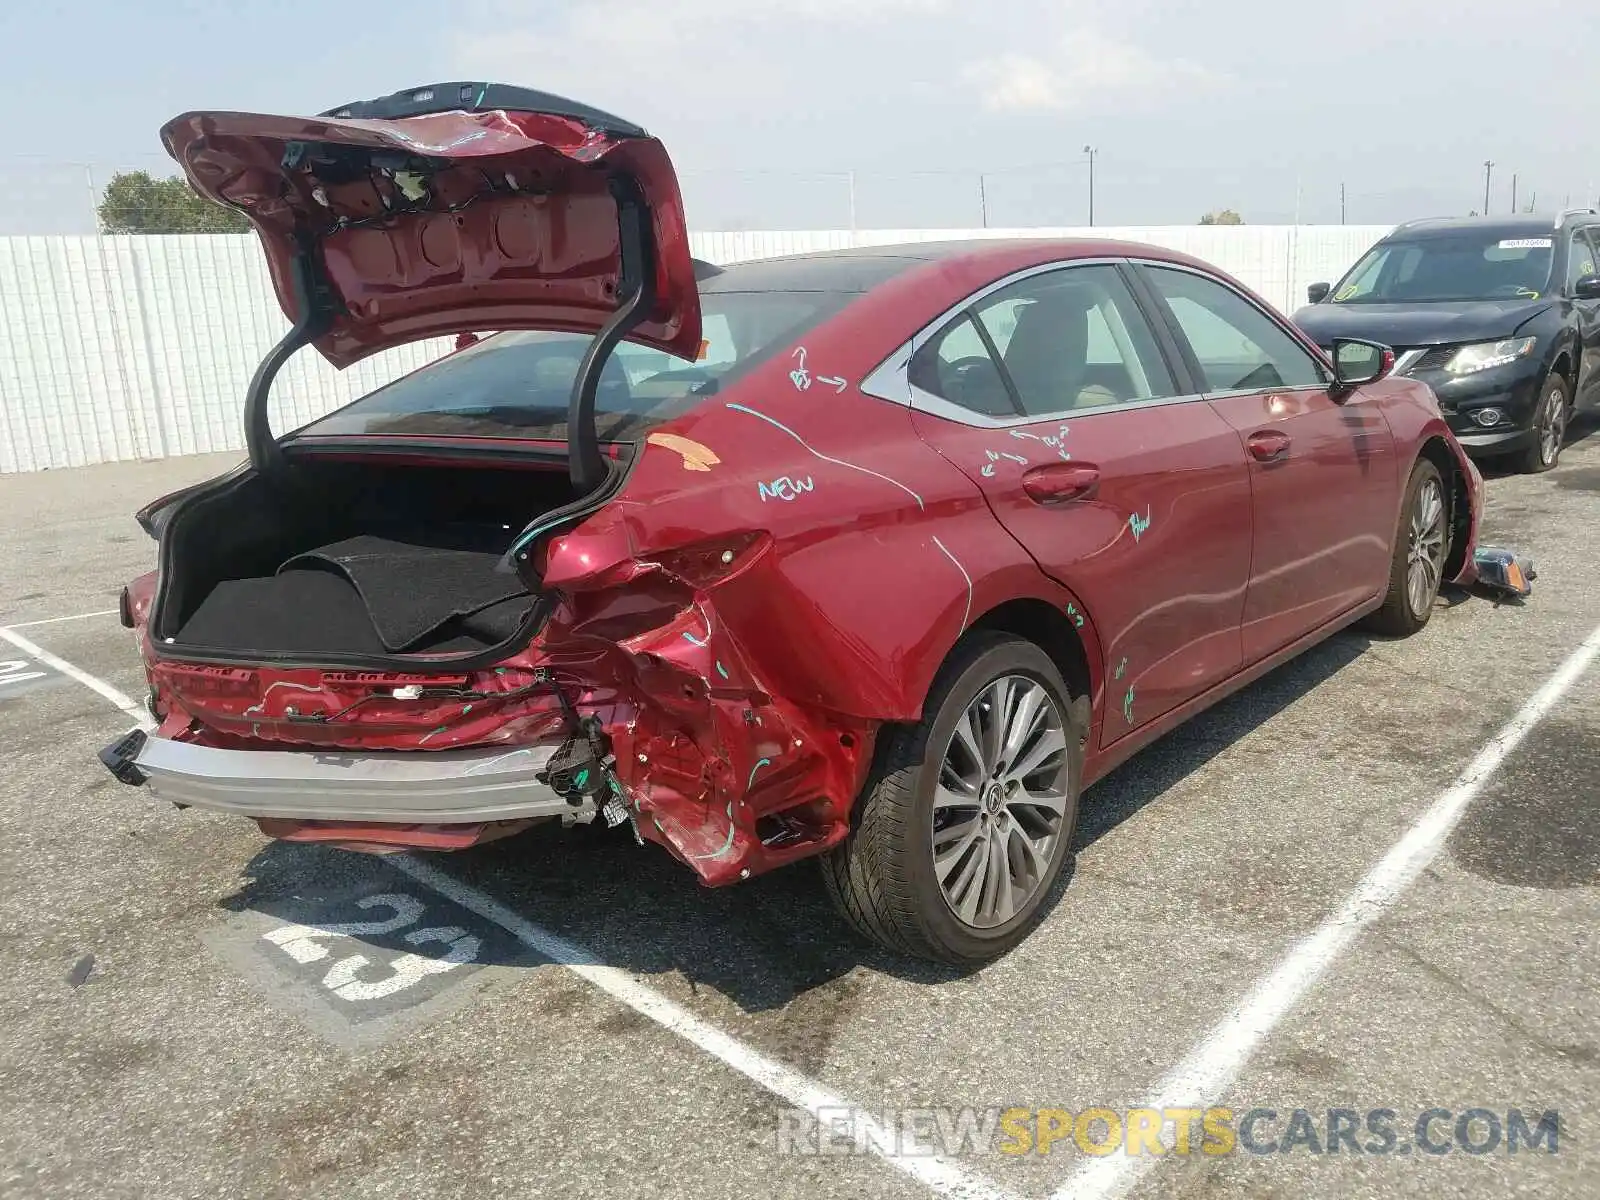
1061, 483
1268, 445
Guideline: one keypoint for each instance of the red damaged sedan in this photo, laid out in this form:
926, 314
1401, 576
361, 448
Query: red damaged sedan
878, 556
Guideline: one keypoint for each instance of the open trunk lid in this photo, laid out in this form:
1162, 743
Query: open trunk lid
451, 208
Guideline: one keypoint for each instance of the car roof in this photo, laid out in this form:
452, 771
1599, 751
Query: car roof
861, 268
1509, 225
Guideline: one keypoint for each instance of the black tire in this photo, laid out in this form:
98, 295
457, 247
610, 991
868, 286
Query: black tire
1554, 405
882, 877
1400, 616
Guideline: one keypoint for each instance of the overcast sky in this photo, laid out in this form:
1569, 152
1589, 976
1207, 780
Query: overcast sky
768, 105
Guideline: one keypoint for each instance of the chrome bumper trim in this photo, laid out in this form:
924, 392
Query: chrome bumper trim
401, 788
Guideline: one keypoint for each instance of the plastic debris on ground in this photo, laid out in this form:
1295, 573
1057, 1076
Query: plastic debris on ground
1504, 571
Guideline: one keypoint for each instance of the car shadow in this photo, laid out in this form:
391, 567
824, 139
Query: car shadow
1160, 766
1584, 426
773, 943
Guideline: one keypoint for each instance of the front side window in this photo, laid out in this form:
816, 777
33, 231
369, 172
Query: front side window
1238, 347
1580, 260
518, 385
1465, 266
1052, 343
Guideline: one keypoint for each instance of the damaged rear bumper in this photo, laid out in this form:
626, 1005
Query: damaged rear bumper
450, 787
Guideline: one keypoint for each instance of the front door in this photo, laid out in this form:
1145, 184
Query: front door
1322, 470
1053, 395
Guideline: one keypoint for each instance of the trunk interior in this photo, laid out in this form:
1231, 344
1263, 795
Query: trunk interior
354, 559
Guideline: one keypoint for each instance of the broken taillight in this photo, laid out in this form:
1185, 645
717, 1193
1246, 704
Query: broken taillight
708, 563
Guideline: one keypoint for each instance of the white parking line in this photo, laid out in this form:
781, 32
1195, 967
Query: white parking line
942, 1175
1211, 1067
104, 612
116, 696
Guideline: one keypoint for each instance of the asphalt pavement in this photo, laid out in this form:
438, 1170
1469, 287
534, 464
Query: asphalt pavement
189, 1009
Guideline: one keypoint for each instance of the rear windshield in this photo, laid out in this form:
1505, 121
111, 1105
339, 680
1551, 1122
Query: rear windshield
1478, 266
517, 385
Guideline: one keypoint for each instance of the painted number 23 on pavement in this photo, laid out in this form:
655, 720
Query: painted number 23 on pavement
18, 671
305, 944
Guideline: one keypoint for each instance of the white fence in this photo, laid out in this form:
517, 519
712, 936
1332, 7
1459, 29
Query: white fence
118, 348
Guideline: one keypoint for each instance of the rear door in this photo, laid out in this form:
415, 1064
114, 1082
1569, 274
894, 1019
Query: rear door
1053, 393
1582, 261
1322, 469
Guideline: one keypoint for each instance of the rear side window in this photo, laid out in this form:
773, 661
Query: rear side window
518, 385
957, 366
1052, 343
1239, 348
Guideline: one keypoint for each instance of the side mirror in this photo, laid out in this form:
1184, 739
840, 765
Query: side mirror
1318, 292
1356, 361
1587, 288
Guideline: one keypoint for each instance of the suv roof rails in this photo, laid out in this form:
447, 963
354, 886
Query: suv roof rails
1573, 212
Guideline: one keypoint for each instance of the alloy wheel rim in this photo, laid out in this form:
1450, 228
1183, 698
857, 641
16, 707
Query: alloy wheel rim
1552, 427
1000, 803
1425, 558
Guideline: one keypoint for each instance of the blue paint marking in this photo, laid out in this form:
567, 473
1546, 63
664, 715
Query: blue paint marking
701, 642
722, 670
765, 762
825, 458
1139, 524
1127, 707
784, 488
528, 538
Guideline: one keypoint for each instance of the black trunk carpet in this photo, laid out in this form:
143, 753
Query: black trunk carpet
368, 595
412, 589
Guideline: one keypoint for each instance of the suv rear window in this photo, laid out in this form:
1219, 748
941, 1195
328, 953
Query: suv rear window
1475, 266
517, 385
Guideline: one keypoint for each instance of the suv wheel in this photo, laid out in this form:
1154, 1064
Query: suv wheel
1549, 427
967, 819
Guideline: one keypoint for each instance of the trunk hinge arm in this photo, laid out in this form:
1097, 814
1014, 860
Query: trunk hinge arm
314, 302
637, 287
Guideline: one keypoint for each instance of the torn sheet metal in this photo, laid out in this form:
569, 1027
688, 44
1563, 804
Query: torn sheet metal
689, 736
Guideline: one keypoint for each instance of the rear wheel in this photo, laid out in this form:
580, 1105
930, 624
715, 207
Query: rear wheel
1549, 427
1420, 546
967, 819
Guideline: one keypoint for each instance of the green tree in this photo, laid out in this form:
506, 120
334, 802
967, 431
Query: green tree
135, 202
1224, 216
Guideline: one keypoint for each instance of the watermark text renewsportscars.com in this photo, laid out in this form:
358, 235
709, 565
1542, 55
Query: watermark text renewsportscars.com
1100, 1131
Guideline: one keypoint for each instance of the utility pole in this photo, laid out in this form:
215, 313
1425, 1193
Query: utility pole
1341, 204
1091, 152
852, 180
983, 201
1513, 191
1488, 170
